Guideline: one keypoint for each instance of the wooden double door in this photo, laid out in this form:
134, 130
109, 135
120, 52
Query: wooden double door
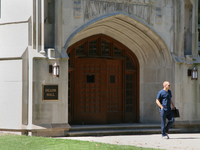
98, 95
103, 82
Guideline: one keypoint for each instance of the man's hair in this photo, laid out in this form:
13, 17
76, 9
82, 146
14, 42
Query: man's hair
164, 83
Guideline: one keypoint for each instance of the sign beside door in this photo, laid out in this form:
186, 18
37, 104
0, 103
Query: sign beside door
50, 92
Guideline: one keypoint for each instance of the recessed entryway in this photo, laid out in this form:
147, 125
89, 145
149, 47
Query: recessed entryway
103, 82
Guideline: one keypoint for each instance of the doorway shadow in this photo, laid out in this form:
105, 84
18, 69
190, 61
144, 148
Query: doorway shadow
185, 138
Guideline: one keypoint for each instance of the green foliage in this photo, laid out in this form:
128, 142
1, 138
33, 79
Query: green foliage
16, 142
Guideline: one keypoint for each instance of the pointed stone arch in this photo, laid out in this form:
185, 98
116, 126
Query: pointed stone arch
154, 58
147, 45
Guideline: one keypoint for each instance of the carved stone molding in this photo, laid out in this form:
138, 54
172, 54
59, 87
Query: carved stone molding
77, 8
142, 9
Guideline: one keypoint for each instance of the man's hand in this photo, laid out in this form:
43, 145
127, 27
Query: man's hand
159, 104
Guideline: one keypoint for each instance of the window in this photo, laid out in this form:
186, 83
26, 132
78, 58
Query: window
80, 50
90, 79
105, 48
112, 79
129, 93
93, 47
198, 12
188, 27
117, 52
130, 85
69, 90
0, 8
199, 26
129, 64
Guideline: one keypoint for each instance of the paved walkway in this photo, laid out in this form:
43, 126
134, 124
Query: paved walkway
176, 141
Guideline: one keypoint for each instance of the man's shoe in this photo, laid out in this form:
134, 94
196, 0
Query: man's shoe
165, 137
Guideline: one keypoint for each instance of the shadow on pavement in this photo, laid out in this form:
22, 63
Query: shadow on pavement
186, 138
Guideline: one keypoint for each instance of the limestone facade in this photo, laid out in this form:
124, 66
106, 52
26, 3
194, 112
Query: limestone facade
37, 33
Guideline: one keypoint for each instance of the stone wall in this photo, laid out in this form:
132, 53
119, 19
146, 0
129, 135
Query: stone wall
11, 94
50, 112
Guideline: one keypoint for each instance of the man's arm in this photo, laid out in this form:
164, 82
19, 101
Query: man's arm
159, 104
172, 104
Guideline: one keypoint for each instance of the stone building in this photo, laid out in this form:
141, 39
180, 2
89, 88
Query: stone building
67, 62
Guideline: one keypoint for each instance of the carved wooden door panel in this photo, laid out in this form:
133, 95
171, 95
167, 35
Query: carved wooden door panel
98, 91
114, 91
90, 97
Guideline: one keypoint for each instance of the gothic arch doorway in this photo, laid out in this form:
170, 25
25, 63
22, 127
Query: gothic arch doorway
103, 82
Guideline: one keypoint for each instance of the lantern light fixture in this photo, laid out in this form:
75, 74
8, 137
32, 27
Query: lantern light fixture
193, 73
54, 69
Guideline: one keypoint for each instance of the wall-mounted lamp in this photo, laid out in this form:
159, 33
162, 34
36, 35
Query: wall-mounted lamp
54, 69
193, 73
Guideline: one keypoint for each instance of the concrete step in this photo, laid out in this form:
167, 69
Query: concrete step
113, 126
116, 129
118, 132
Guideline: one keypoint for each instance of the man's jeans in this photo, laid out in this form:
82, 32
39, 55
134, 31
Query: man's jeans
169, 116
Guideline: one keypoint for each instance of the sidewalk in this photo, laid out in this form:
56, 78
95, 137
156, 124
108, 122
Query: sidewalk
176, 141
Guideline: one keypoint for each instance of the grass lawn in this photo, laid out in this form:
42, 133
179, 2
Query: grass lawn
16, 142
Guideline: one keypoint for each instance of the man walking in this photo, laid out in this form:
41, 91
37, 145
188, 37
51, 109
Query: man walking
164, 102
